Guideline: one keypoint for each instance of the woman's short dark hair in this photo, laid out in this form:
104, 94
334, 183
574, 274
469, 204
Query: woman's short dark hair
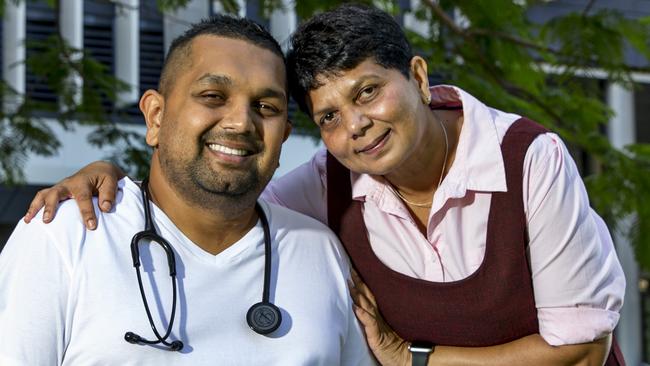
341, 39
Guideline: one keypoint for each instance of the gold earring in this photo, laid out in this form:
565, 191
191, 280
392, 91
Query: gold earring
427, 99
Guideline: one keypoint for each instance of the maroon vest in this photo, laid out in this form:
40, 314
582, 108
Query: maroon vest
494, 305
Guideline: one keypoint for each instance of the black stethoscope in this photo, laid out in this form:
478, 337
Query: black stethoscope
263, 317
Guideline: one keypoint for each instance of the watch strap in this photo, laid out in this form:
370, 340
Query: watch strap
419, 358
420, 352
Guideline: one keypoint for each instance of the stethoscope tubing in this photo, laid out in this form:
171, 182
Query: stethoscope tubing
265, 308
151, 234
146, 308
267, 253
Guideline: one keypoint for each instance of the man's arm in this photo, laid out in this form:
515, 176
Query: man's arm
34, 284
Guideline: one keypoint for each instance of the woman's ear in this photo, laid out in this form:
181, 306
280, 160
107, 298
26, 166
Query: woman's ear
152, 105
419, 70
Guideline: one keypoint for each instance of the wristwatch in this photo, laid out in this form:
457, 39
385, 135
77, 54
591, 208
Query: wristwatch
420, 352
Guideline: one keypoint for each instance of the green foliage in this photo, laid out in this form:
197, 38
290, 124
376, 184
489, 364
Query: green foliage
26, 124
170, 5
22, 134
494, 51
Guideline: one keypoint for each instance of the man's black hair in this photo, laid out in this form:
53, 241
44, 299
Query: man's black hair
217, 25
341, 39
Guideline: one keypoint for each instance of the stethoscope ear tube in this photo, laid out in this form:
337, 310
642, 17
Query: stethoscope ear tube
150, 234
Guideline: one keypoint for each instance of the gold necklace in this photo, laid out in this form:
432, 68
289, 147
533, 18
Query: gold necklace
442, 172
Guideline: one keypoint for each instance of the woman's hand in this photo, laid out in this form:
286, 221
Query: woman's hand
97, 178
385, 344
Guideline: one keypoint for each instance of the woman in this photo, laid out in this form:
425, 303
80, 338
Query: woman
470, 226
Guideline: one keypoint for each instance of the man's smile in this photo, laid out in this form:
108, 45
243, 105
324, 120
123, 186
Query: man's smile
229, 150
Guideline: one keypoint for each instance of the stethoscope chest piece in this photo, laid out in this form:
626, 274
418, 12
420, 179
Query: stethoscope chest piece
264, 317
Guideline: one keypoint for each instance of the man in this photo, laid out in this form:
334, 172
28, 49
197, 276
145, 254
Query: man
69, 296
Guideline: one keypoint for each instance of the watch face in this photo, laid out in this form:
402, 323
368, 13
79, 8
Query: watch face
421, 347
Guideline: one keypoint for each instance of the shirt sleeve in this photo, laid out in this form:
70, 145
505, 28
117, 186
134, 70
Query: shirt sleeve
34, 283
302, 189
578, 281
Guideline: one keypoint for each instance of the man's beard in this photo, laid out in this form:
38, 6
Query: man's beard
199, 183
228, 184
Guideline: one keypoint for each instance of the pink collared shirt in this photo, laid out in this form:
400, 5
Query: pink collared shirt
577, 278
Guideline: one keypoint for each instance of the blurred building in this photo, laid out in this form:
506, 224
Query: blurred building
130, 38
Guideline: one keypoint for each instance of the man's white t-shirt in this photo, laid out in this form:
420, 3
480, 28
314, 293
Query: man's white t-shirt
68, 295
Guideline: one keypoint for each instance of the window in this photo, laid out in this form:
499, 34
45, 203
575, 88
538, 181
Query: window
152, 47
1, 58
255, 11
40, 24
594, 88
642, 113
152, 55
642, 116
98, 38
404, 6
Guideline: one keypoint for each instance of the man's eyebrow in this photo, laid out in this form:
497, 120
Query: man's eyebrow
272, 93
217, 79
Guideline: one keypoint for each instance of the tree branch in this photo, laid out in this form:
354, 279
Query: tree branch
587, 8
512, 39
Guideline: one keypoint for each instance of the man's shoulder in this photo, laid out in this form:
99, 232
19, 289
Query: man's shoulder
59, 241
68, 216
67, 230
67, 221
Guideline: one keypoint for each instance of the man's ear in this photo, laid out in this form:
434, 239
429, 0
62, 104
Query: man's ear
152, 105
287, 130
419, 70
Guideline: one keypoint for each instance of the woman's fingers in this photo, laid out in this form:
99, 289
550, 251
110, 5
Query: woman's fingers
362, 287
84, 198
48, 198
97, 178
385, 344
361, 300
107, 189
368, 322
